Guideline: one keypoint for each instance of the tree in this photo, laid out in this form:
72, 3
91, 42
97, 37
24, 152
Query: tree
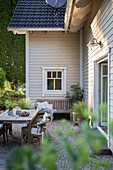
2, 78
12, 47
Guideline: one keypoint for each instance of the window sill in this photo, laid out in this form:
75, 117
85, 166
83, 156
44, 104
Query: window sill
56, 92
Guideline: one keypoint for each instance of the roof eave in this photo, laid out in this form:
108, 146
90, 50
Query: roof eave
23, 30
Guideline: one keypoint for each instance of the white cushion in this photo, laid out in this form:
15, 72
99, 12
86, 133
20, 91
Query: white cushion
50, 106
44, 116
42, 105
1, 125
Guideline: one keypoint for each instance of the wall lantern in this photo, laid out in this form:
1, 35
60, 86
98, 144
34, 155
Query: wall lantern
94, 43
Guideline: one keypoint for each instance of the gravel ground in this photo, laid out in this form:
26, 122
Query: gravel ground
62, 162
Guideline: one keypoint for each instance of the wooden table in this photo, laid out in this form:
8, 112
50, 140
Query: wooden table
5, 118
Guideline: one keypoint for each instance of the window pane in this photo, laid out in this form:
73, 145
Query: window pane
105, 69
48, 74
50, 84
54, 74
59, 74
105, 89
58, 84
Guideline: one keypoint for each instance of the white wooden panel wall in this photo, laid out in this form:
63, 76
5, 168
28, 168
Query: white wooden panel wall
55, 49
100, 26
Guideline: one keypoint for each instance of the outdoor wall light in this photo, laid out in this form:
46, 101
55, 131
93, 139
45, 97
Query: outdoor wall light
94, 43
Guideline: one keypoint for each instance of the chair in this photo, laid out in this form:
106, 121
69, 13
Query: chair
36, 131
8, 129
2, 131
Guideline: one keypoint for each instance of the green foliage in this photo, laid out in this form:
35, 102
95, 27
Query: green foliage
3, 98
81, 110
12, 47
111, 128
10, 105
88, 140
47, 156
103, 163
6, 95
104, 109
77, 151
2, 78
7, 86
76, 94
23, 104
12, 93
21, 159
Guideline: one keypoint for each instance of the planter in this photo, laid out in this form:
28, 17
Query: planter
80, 121
10, 113
18, 112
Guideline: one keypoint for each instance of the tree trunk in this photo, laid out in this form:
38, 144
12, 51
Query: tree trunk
16, 85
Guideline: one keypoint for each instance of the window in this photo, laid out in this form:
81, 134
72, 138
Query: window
53, 80
103, 98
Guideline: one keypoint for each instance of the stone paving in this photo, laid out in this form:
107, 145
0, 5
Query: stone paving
62, 162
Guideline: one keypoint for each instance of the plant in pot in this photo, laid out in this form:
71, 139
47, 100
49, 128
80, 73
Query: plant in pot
24, 104
80, 110
10, 105
76, 94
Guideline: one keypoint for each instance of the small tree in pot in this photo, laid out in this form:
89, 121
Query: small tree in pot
81, 111
76, 94
10, 105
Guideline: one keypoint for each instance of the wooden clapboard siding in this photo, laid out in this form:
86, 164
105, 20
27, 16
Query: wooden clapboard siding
55, 49
100, 26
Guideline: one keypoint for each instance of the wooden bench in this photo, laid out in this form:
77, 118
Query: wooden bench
61, 106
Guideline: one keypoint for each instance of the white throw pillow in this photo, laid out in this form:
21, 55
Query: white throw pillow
50, 106
42, 105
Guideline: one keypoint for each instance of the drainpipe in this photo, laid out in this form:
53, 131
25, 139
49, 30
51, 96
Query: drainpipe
27, 65
81, 58
68, 13
109, 97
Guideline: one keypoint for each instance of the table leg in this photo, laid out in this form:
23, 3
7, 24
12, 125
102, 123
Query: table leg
29, 133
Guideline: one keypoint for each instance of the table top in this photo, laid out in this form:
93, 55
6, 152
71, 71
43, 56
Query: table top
5, 118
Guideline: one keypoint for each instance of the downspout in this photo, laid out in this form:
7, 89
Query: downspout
27, 65
109, 97
81, 58
68, 14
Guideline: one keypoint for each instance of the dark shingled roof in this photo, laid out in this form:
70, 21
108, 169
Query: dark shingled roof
37, 14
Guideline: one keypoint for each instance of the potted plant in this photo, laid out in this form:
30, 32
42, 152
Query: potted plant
80, 111
24, 104
10, 105
76, 94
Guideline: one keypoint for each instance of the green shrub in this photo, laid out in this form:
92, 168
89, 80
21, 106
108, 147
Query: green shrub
23, 158
6, 95
7, 86
2, 78
80, 108
23, 104
12, 93
3, 98
10, 105
76, 94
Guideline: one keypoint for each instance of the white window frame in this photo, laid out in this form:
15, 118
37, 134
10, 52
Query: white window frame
44, 81
98, 59
103, 64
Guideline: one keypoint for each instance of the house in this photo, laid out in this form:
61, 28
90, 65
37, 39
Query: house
69, 45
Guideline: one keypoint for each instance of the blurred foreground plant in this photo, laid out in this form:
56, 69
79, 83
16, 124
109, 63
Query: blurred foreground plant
77, 151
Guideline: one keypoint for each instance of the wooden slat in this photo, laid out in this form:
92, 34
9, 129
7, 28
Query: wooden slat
58, 104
